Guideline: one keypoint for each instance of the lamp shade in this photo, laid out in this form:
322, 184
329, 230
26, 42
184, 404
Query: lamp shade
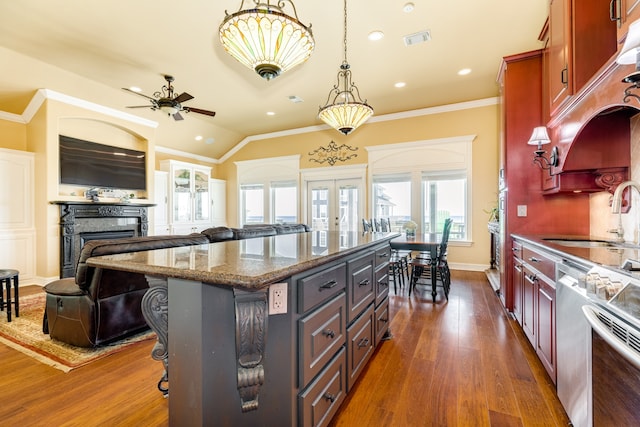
539, 136
266, 40
629, 52
345, 117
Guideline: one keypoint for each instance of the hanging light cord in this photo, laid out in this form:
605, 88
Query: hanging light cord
345, 64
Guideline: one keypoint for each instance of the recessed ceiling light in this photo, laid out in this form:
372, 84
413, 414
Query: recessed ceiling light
209, 140
400, 84
295, 99
464, 71
375, 35
408, 7
270, 113
135, 89
199, 138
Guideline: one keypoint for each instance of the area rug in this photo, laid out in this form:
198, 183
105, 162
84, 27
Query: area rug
24, 334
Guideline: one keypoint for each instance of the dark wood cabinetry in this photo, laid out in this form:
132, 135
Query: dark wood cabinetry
521, 86
624, 12
581, 38
536, 281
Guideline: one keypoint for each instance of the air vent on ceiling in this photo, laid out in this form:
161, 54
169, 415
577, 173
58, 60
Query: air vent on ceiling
420, 37
295, 99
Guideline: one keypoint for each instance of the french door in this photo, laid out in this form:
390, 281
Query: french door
335, 205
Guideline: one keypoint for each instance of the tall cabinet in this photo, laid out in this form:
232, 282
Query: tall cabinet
189, 196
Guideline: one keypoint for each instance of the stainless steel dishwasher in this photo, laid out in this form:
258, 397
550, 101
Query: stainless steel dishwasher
573, 338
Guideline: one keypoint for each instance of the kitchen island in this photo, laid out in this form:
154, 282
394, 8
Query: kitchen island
264, 331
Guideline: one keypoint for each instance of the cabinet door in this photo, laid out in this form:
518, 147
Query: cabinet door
161, 199
529, 291
624, 12
182, 194
201, 200
546, 325
518, 288
560, 67
218, 190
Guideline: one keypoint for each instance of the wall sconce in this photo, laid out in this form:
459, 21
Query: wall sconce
630, 54
540, 137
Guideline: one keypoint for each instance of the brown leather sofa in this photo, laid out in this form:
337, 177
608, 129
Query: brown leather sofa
98, 306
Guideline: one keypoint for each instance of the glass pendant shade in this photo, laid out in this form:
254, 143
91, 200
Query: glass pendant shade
266, 40
347, 116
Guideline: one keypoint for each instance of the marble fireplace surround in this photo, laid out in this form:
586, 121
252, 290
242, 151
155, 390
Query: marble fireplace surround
83, 221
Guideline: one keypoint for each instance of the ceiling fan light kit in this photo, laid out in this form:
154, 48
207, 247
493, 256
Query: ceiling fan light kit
168, 102
266, 39
344, 109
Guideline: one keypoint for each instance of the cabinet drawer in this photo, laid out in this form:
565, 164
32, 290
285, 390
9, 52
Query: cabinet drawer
516, 248
361, 289
360, 341
381, 320
319, 287
382, 283
540, 261
382, 255
320, 401
321, 334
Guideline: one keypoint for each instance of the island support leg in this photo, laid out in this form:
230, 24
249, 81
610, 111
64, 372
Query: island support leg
155, 308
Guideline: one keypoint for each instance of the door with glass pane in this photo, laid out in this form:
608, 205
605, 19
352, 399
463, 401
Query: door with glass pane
335, 205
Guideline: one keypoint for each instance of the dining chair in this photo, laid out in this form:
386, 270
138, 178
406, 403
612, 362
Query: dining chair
376, 225
367, 227
385, 225
421, 267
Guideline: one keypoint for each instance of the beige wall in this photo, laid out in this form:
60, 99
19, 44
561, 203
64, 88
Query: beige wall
41, 137
481, 121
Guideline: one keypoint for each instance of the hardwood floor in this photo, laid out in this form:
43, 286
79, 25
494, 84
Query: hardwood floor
456, 363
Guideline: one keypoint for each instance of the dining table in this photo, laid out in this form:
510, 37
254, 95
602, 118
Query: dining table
421, 242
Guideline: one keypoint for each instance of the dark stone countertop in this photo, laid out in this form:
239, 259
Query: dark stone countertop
250, 263
607, 256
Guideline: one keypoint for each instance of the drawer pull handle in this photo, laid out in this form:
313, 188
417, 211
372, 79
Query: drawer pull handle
329, 285
330, 397
329, 333
364, 342
534, 259
384, 319
365, 282
384, 255
384, 283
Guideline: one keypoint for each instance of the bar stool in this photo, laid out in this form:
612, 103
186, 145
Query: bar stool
5, 284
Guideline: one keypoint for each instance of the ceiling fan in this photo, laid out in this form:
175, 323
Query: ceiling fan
165, 100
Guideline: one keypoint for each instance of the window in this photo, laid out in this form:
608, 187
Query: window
444, 195
392, 199
284, 201
252, 203
425, 181
282, 205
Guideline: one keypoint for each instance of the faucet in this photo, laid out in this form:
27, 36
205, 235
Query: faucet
616, 206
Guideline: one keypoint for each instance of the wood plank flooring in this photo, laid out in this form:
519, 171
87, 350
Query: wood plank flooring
456, 363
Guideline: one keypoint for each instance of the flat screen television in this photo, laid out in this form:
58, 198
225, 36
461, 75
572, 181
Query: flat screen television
97, 165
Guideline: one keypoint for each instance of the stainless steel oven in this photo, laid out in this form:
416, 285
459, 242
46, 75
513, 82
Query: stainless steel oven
615, 349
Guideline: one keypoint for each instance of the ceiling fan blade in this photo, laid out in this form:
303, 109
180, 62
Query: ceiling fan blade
141, 106
183, 97
138, 93
199, 111
178, 116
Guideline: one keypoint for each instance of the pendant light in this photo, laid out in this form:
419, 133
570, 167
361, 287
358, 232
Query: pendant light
345, 110
266, 39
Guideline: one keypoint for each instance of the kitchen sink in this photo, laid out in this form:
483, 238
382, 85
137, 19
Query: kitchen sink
583, 243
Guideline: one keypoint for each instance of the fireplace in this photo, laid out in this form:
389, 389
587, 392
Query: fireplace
84, 221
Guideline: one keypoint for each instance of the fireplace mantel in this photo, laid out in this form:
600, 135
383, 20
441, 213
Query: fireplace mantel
92, 218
